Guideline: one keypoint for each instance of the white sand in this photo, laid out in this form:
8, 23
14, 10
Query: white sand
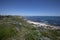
43, 24
37, 23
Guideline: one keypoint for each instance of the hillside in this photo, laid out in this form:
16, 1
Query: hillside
16, 28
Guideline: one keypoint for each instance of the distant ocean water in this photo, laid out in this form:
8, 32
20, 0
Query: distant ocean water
52, 20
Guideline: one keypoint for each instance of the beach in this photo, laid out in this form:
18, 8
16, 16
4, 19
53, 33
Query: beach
39, 24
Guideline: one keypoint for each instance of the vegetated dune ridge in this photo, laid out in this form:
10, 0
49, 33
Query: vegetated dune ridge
17, 28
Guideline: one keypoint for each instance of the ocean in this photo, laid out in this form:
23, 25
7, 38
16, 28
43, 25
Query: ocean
52, 20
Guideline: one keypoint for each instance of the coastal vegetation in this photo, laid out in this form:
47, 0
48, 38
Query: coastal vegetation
16, 28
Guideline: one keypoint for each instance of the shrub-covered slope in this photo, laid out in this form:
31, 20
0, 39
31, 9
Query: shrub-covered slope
16, 28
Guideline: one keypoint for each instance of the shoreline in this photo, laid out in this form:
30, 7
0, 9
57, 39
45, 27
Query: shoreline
39, 24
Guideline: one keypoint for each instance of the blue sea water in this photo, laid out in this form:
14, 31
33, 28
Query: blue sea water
52, 20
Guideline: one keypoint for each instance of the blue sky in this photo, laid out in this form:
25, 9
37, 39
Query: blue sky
30, 7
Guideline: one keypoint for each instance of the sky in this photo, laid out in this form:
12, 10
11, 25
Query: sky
30, 7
